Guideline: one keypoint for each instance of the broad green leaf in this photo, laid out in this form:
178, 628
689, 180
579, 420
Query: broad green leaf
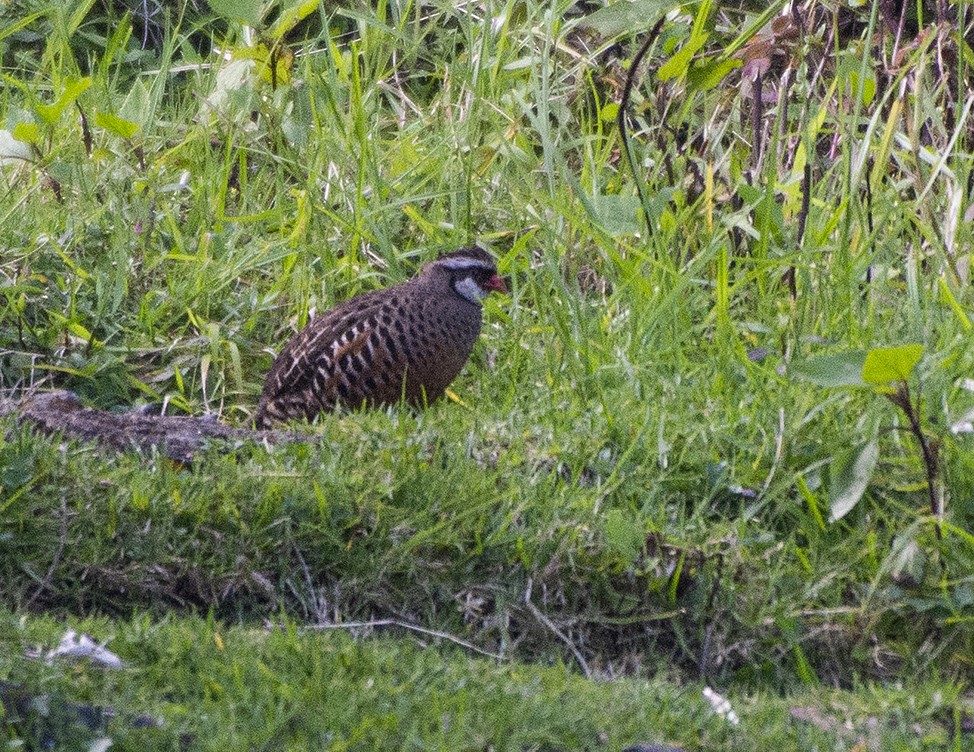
233, 82
906, 558
658, 203
292, 16
618, 215
73, 89
51, 113
885, 364
767, 211
244, 11
280, 73
680, 62
707, 76
114, 124
868, 87
28, 133
623, 534
610, 112
749, 194
282, 62
137, 105
837, 369
79, 330
851, 474
625, 16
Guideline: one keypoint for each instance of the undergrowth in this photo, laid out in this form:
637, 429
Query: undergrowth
631, 476
221, 688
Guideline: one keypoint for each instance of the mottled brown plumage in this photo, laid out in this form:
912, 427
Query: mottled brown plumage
409, 341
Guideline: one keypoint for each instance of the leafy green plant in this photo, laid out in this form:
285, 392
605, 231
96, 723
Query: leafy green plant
885, 371
631, 442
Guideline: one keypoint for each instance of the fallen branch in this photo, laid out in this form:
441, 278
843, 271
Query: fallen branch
179, 437
536, 612
405, 625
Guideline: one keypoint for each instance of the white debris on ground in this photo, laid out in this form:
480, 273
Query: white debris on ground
964, 424
73, 645
721, 706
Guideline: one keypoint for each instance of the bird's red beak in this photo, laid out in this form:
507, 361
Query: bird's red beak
495, 284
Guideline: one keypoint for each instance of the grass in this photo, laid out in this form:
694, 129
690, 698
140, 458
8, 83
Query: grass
632, 479
226, 688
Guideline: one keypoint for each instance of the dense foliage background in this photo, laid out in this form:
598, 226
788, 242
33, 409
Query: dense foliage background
720, 430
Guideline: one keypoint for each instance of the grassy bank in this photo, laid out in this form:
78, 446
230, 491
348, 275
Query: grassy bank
213, 687
644, 468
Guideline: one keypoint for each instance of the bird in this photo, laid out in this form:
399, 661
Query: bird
406, 342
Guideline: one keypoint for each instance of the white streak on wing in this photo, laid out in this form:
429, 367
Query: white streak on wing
314, 345
295, 363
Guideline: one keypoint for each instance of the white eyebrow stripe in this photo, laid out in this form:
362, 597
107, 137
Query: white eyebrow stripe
466, 263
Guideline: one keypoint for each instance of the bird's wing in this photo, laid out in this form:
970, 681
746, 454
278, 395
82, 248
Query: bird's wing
323, 363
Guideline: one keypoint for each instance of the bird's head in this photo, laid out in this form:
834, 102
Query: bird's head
472, 273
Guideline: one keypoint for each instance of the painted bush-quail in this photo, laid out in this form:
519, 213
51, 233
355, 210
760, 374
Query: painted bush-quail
408, 341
